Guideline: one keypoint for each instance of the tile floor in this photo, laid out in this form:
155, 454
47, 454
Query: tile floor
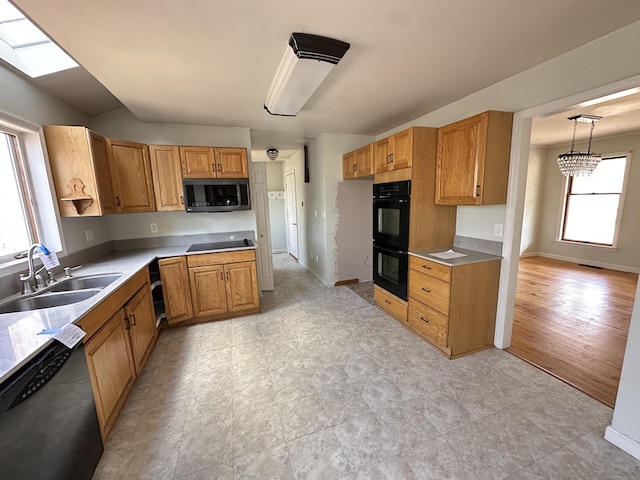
323, 385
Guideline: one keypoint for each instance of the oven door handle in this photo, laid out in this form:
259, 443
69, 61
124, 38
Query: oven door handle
390, 250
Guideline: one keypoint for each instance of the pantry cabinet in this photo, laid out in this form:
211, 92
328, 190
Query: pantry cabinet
223, 284
453, 307
175, 289
79, 161
120, 335
473, 160
166, 172
214, 162
358, 164
131, 172
394, 152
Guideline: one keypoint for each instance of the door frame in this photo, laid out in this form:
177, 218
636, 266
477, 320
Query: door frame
521, 137
288, 199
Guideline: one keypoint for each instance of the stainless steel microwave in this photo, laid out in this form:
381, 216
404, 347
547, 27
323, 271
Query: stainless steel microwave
216, 195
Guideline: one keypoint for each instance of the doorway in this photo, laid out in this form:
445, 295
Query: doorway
509, 286
292, 213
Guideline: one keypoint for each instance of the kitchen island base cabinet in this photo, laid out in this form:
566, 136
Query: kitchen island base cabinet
453, 307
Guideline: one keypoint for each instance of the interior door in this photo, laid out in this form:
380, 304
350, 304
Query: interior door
260, 201
292, 213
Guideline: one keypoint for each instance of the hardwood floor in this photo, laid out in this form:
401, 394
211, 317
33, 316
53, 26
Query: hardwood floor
572, 321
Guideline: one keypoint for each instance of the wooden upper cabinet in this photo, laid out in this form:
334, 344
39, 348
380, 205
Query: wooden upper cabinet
394, 152
214, 162
167, 177
358, 164
79, 163
473, 160
131, 171
197, 162
176, 289
231, 162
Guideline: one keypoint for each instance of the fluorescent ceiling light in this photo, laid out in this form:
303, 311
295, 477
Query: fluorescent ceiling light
25, 47
607, 98
305, 64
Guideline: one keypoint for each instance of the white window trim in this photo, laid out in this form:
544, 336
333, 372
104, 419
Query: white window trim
616, 233
38, 173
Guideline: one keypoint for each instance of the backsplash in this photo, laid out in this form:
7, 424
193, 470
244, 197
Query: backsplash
478, 244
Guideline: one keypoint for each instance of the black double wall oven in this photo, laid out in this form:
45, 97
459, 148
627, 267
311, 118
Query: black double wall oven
391, 203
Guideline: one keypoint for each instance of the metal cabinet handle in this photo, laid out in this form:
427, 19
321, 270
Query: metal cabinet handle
219, 167
221, 275
127, 323
477, 190
213, 167
102, 200
133, 317
387, 301
423, 319
425, 290
227, 275
181, 200
427, 267
117, 201
391, 155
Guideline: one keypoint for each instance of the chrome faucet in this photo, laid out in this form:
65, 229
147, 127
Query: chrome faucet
25, 279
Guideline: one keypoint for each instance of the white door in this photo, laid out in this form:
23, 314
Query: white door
292, 213
260, 198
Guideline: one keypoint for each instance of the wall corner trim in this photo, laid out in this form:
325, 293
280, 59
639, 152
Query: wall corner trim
623, 442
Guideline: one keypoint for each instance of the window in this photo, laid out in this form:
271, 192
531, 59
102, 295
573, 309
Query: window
17, 228
593, 204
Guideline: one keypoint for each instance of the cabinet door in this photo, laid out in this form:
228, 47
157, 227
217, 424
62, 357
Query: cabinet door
242, 286
197, 162
349, 166
231, 162
208, 294
143, 331
131, 172
111, 368
100, 155
167, 177
382, 155
364, 161
460, 161
402, 154
175, 288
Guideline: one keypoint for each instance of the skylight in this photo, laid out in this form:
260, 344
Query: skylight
25, 47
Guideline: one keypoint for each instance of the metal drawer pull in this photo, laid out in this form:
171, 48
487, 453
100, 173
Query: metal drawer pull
425, 266
425, 290
424, 319
387, 301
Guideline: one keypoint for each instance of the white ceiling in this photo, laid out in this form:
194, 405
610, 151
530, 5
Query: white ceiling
210, 62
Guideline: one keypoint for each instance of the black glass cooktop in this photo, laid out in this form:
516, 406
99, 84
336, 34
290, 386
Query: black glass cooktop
199, 247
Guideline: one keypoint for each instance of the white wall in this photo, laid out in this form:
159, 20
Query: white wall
21, 100
533, 200
122, 124
275, 182
627, 254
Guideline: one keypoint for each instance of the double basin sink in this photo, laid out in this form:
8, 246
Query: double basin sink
65, 292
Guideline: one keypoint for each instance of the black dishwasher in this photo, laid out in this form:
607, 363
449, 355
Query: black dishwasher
48, 424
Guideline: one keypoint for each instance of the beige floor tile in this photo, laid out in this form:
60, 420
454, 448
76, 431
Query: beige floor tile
318, 456
271, 463
204, 446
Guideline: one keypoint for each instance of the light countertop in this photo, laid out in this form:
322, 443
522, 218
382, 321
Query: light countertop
19, 339
470, 256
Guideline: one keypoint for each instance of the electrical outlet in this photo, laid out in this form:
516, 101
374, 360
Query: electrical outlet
498, 229
317, 258
311, 251
315, 213
324, 214
88, 233
154, 227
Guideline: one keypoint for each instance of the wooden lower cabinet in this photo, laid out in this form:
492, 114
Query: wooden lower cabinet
175, 289
111, 368
121, 333
454, 308
223, 284
391, 304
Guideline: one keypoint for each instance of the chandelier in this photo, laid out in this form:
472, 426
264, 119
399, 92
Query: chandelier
575, 163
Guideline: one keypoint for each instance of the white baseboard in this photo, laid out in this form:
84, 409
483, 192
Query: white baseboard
314, 273
279, 250
610, 266
623, 442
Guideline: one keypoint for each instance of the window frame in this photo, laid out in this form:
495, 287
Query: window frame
565, 204
41, 201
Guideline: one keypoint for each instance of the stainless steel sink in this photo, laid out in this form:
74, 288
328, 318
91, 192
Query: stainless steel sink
48, 299
81, 283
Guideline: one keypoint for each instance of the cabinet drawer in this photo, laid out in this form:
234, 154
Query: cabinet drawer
428, 322
430, 291
428, 267
204, 259
394, 306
